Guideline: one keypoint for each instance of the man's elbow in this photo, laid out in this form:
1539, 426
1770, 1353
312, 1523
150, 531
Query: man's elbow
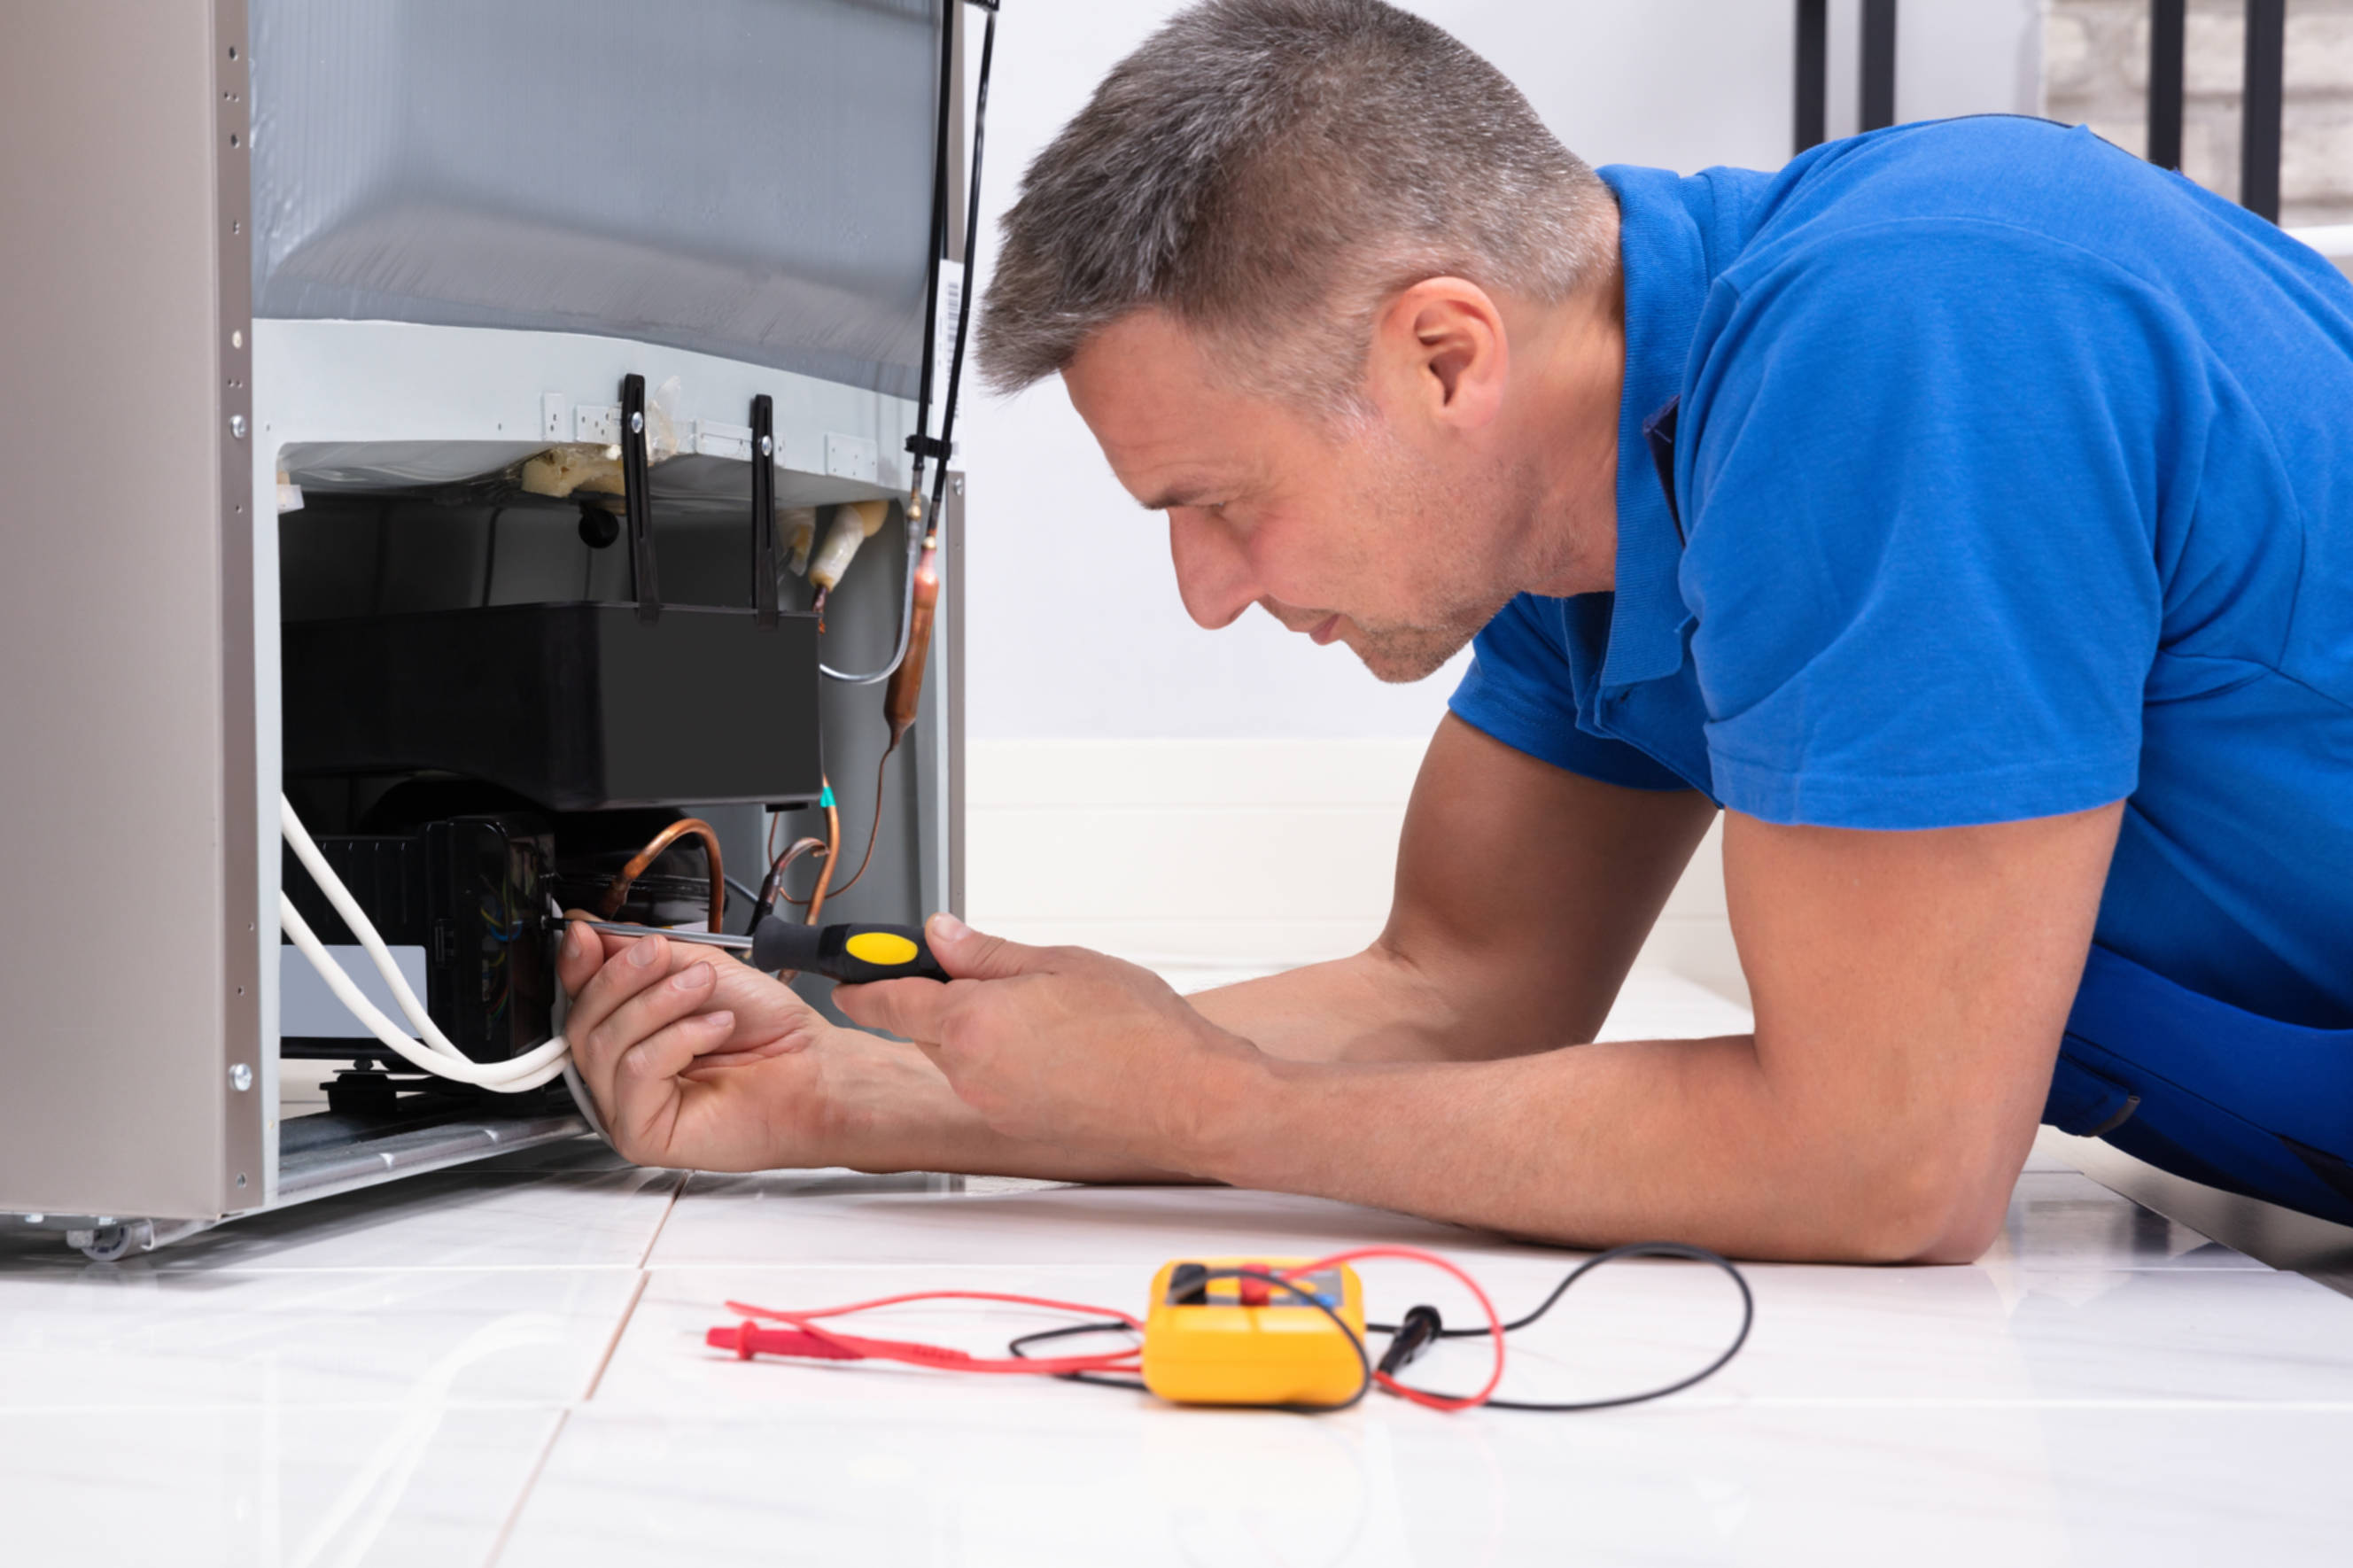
1929, 1205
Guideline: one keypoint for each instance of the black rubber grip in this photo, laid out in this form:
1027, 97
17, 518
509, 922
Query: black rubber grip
833, 952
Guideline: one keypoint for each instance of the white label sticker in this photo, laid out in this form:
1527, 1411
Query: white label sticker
944, 330
306, 1007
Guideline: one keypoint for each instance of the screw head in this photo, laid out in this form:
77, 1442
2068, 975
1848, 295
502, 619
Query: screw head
241, 1078
636, 424
237, 426
767, 445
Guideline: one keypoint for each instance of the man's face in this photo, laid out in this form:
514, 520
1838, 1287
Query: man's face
1366, 535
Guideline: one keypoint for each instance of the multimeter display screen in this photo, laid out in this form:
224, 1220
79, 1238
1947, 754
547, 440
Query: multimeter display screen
1189, 1286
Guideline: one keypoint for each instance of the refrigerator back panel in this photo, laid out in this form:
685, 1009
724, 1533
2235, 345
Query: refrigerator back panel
747, 178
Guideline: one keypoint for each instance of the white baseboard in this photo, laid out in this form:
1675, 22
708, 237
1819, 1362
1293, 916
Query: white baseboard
1241, 852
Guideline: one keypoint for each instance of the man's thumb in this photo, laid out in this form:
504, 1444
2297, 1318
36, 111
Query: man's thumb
967, 954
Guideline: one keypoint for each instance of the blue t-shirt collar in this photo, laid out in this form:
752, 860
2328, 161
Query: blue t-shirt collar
1661, 246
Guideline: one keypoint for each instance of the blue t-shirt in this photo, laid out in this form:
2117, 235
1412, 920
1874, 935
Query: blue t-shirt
2011, 477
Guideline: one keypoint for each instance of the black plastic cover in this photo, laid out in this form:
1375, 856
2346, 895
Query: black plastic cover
577, 707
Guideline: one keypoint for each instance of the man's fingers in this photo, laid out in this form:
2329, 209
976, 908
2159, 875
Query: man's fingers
652, 1009
645, 1090
577, 956
967, 954
615, 980
619, 978
911, 1009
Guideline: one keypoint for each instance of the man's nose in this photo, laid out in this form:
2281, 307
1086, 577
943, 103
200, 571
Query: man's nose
1213, 572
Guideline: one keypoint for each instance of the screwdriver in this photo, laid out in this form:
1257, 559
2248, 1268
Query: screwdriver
853, 954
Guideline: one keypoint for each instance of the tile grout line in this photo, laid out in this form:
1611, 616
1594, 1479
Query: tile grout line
637, 1293
614, 1344
530, 1483
662, 1224
564, 1417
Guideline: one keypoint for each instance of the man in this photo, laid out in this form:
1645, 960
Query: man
1966, 511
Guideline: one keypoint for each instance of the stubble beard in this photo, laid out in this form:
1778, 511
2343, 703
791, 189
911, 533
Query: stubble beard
1401, 654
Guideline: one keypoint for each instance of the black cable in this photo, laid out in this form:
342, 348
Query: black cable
939, 233
1100, 1326
1632, 1249
971, 281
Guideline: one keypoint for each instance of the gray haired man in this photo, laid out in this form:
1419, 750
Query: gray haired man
1966, 511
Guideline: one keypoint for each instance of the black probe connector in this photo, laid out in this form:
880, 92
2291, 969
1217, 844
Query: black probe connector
1416, 1332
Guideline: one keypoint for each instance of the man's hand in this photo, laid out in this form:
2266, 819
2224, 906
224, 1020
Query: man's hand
1060, 1046
693, 1058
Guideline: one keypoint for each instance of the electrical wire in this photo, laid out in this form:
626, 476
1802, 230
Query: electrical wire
835, 1345
617, 891
582, 1101
435, 1052
1103, 1326
971, 234
1632, 1249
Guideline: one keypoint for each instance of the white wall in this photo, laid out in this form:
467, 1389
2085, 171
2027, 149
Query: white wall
1125, 761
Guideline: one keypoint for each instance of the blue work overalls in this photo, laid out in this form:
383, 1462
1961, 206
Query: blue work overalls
2207, 1090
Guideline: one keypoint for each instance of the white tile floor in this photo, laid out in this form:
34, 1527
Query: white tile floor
505, 1364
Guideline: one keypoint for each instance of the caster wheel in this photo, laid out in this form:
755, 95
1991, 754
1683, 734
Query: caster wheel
108, 1244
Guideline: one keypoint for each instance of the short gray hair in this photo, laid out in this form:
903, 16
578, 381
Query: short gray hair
1278, 169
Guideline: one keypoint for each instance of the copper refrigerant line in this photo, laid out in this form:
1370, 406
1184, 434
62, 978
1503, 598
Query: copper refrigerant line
617, 893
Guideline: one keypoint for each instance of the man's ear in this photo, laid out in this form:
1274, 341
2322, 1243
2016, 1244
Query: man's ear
1440, 347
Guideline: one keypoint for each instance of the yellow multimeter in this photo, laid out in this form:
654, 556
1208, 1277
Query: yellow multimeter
1212, 1340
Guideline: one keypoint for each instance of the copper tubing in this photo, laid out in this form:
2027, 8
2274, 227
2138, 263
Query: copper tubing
832, 856
772, 887
815, 902
905, 693
618, 892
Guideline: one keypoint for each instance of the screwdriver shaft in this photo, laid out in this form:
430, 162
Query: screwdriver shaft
701, 938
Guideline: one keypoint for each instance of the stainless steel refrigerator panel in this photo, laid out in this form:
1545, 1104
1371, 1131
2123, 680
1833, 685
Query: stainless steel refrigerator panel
129, 950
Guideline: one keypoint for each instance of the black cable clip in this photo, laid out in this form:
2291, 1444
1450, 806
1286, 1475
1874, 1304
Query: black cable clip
763, 510
931, 448
636, 504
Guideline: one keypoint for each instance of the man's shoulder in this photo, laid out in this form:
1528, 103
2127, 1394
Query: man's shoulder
1978, 166
1920, 200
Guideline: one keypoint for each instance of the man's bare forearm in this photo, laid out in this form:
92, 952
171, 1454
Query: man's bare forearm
1372, 1006
891, 1111
1592, 1146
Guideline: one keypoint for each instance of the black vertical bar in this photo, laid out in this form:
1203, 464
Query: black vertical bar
763, 510
1813, 86
636, 504
2168, 21
2259, 126
1878, 64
